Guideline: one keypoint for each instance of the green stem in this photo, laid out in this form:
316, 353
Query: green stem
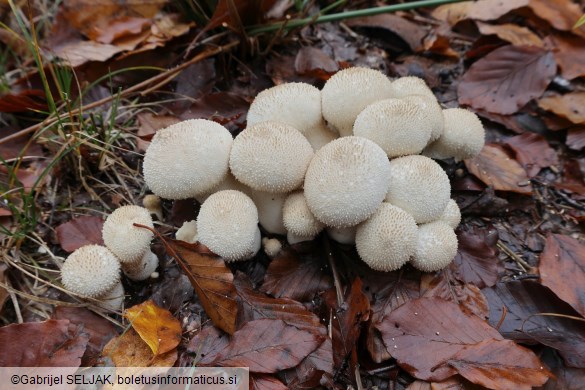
255, 30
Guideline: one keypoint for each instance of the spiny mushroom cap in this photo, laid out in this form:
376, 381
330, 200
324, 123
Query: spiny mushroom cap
125, 240
451, 215
187, 158
270, 156
113, 299
419, 186
143, 269
228, 225
398, 126
91, 271
295, 104
463, 136
348, 92
410, 85
297, 217
387, 239
433, 113
269, 207
347, 181
436, 246
271, 246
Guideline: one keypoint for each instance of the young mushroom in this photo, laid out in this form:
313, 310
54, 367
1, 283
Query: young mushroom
298, 220
410, 85
436, 246
451, 215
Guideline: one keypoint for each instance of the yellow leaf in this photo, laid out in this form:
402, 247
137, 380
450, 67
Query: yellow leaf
129, 350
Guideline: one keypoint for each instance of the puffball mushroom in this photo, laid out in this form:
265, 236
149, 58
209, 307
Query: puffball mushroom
436, 246
143, 269
93, 271
347, 181
298, 219
410, 85
271, 246
348, 92
387, 239
451, 215
400, 127
228, 225
187, 158
463, 136
344, 235
419, 186
433, 113
270, 156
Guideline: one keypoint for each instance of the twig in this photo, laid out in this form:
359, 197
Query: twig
523, 264
336, 280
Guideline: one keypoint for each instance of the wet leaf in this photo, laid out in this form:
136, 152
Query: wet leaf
512, 33
129, 350
500, 364
496, 169
80, 231
156, 326
533, 152
570, 106
507, 78
51, 343
568, 55
477, 261
268, 346
212, 281
562, 269
409, 32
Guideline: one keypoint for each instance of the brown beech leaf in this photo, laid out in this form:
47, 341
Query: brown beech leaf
507, 78
312, 61
148, 124
156, 326
30, 99
267, 346
266, 382
129, 350
212, 281
238, 13
409, 32
512, 33
500, 364
309, 372
452, 13
477, 261
570, 106
576, 138
494, 9
80, 231
568, 52
208, 344
225, 108
437, 327
561, 14
496, 169
517, 310
533, 152
297, 276
562, 269
52, 343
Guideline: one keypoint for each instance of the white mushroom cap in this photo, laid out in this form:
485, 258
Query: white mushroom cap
187, 232
271, 246
228, 225
113, 299
400, 127
91, 271
347, 181
410, 85
187, 158
387, 239
342, 235
348, 92
269, 207
125, 240
463, 136
229, 182
320, 136
419, 186
433, 113
143, 269
295, 104
298, 219
436, 246
271, 157
451, 215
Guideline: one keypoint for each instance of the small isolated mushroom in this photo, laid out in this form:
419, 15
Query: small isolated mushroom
463, 136
387, 239
93, 271
187, 158
187, 232
152, 203
271, 246
298, 219
348, 92
270, 156
128, 242
269, 207
228, 225
436, 246
347, 181
410, 85
451, 215
419, 186
400, 127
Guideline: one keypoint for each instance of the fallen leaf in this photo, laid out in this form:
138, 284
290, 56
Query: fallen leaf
77, 53
562, 269
411, 33
26, 100
453, 13
225, 108
129, 350
561, 14
576, 138
148, 124
267, 346
516, 35
212, 281
266, 382
565, 378
243, 13
477, 260
533, 152
568, 52
494, 9
3, 292
500, 364
439, 44
309, 372
507, 78
208, 344
570, 106
496, 169
51, 343
156, 326
80, 231
313, 62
